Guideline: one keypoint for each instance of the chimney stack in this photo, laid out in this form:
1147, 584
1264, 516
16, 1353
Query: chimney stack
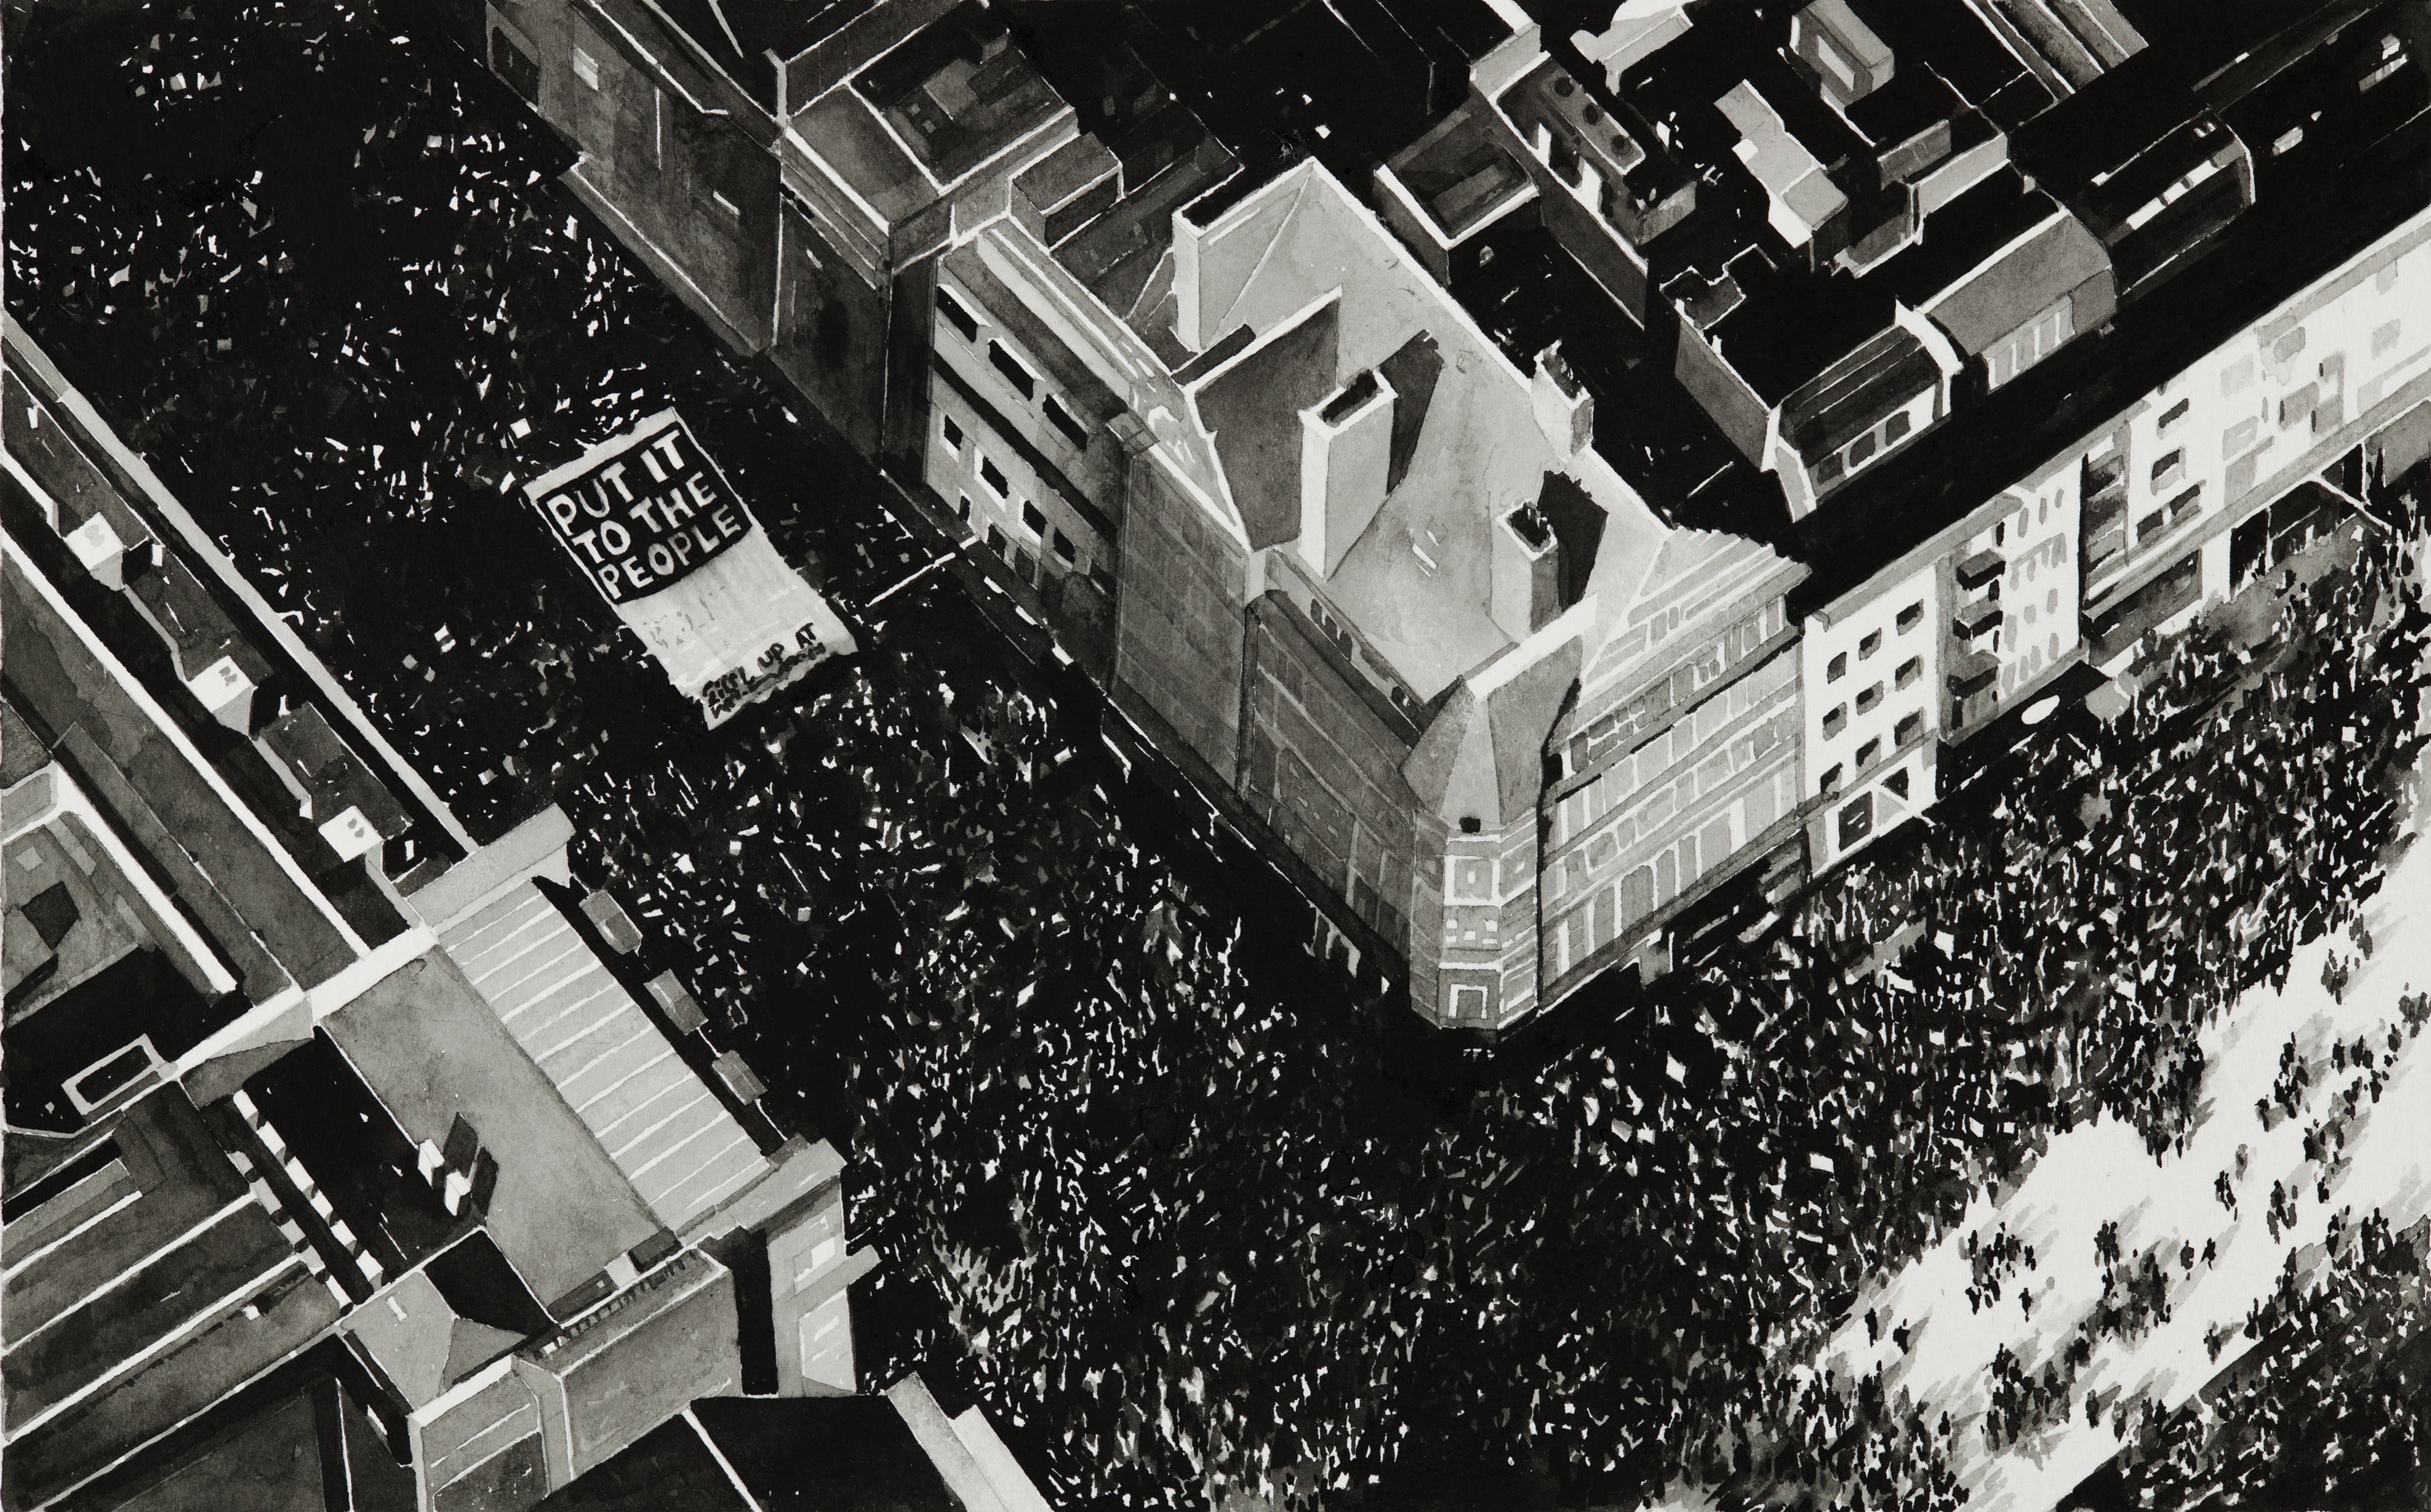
1345, 450
1565, 409
1527, 572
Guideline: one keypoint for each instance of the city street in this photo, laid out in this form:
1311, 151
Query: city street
1158, 1186
2099, 1173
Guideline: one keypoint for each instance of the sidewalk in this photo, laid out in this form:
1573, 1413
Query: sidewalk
2099, 1173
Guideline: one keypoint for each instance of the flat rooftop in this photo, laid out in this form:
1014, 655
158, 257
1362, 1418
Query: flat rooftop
1349, 83
247, 892
430, 1048
2262, 258
1460, 172
959, 92
155, 1244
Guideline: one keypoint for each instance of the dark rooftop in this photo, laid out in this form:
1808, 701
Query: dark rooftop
1794, 325
1913, 101
1459, 171
837, 1451
363, 1163
1646, 424
959, 92
200, 629
2272, 251
2200, 38
1887, 370
124, 1278
308, 1435
1965, 231
1955, 43
669, 1468
140, 994
245, 898
337, 778
2108, 122
1349, 83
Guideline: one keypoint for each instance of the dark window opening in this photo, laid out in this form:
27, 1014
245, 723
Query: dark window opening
993, 476
1872, 697
1836, 720
1897, 781
1064, 420
1898, 426
1862, 448
1868, 753
1857, 821
517, 67
2175, 412
1906, 731
1032, 517
957, 316
1831, 783
1471, 824
1015, 374
953, 432
1065, 549
1910, 670
1867, 648
1838, 669
1909, 617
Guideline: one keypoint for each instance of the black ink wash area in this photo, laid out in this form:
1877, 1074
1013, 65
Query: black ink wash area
1183, 1162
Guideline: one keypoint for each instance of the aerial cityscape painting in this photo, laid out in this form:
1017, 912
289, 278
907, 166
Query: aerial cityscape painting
1233, 755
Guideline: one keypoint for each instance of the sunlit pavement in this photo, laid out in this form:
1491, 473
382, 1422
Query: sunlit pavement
2098, 1173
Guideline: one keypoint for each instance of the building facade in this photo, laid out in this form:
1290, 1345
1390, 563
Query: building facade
2181, 489
791, 178
1369, 571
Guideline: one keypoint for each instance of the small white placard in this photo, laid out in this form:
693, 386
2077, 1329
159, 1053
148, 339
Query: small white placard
220, 684
350, 834
94, 543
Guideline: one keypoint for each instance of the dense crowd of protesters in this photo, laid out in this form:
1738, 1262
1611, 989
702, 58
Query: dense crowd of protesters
2329, 1409
1189, 1228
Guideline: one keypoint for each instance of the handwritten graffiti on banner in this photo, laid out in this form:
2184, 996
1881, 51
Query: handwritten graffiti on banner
643, 510
778, 666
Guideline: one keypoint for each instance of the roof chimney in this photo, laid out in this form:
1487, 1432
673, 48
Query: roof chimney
1345, 450
1565, 409
1527, 572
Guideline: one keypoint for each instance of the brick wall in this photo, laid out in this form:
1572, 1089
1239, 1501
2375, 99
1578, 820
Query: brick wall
1324, 769
1179, 620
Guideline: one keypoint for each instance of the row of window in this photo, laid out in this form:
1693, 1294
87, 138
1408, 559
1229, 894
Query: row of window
2047, 333
1871, 754
1910, 619
1621, 782
1619, 905
1860, 451
1733, 645
1838, 718
993, 482
1013, 369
